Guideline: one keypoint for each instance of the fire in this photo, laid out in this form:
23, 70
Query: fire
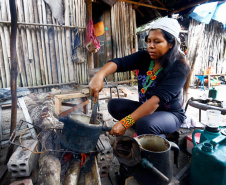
83, 158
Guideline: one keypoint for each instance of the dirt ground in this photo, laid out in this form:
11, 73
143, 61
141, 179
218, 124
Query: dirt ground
192, 114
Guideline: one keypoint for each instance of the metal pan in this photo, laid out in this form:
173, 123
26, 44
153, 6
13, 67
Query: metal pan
79, 135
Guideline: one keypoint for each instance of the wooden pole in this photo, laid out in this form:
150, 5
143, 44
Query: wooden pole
189, 6
21, 23
35, 45
88, 18
20, 60
29, 40
51, 46
65, 55
56, 31
2, 69
24, 43
61, 66
13, 72
49, 72
142, 4
43, 43
4, 32
68, 41
40, 49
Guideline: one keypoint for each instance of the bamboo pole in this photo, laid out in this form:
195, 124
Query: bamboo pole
2, 69
61, 66
49, 72
142, 4
5, 15
57, 53
74, 12
20, 60
68, 42
65, 55
134, 29
4, 32
29, 40
21, 23
43, 43
51, 46
35, 44
40, 47
24, 43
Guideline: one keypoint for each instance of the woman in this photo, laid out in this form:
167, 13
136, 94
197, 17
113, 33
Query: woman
163, 74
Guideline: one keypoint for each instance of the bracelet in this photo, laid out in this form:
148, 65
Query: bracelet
127, 121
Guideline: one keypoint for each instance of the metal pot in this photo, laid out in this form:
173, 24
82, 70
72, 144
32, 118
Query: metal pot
157, 151
79, 135
147, 157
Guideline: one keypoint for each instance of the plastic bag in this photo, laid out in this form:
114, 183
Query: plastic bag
92, 42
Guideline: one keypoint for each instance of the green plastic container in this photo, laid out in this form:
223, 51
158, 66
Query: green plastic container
208, 166
207, 134
213, 93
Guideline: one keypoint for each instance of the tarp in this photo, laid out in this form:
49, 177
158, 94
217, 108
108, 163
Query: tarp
205, 12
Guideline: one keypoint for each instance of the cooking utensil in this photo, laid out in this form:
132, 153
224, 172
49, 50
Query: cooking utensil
79, 135
128, 152
94, 112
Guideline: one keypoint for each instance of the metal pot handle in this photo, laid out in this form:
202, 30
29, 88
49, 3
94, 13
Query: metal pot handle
176, 150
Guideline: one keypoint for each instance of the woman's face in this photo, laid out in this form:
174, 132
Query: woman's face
157, 45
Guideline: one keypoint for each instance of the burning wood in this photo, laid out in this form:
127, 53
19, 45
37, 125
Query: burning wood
73, 172
49, 163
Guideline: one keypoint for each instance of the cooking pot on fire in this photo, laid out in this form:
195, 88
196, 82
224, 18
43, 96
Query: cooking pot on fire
79, 135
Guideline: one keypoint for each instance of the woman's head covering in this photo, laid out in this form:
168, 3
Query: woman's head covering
168, 24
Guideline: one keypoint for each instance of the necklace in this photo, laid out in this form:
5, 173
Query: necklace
151, 76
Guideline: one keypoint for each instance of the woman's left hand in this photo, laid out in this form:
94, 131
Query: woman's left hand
118, 129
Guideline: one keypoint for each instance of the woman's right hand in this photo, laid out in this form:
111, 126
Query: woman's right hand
96, 85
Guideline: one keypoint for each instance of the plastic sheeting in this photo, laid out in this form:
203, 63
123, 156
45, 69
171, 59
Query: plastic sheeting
205, 12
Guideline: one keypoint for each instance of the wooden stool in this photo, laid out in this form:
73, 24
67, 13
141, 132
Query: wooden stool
58, 101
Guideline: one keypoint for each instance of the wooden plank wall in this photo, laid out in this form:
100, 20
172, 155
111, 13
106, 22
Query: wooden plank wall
124, 38
44, 52
205, 41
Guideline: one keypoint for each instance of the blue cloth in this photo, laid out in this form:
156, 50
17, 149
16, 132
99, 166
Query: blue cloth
205, 12
74, 56
220, 14
201, 78
5, 93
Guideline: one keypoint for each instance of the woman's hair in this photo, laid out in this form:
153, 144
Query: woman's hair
174, 54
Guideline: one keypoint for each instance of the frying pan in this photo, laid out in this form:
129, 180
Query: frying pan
79, 135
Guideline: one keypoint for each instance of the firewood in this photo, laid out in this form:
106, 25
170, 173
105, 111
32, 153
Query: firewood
73, 172
50, 168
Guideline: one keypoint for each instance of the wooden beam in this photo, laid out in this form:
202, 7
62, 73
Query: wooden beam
142, 4
160, 3
136, 6
156, 12
189, 6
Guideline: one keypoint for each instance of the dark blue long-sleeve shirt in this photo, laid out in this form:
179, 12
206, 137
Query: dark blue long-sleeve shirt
167, 86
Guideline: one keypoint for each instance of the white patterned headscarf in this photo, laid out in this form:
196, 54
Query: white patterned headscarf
167, 24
